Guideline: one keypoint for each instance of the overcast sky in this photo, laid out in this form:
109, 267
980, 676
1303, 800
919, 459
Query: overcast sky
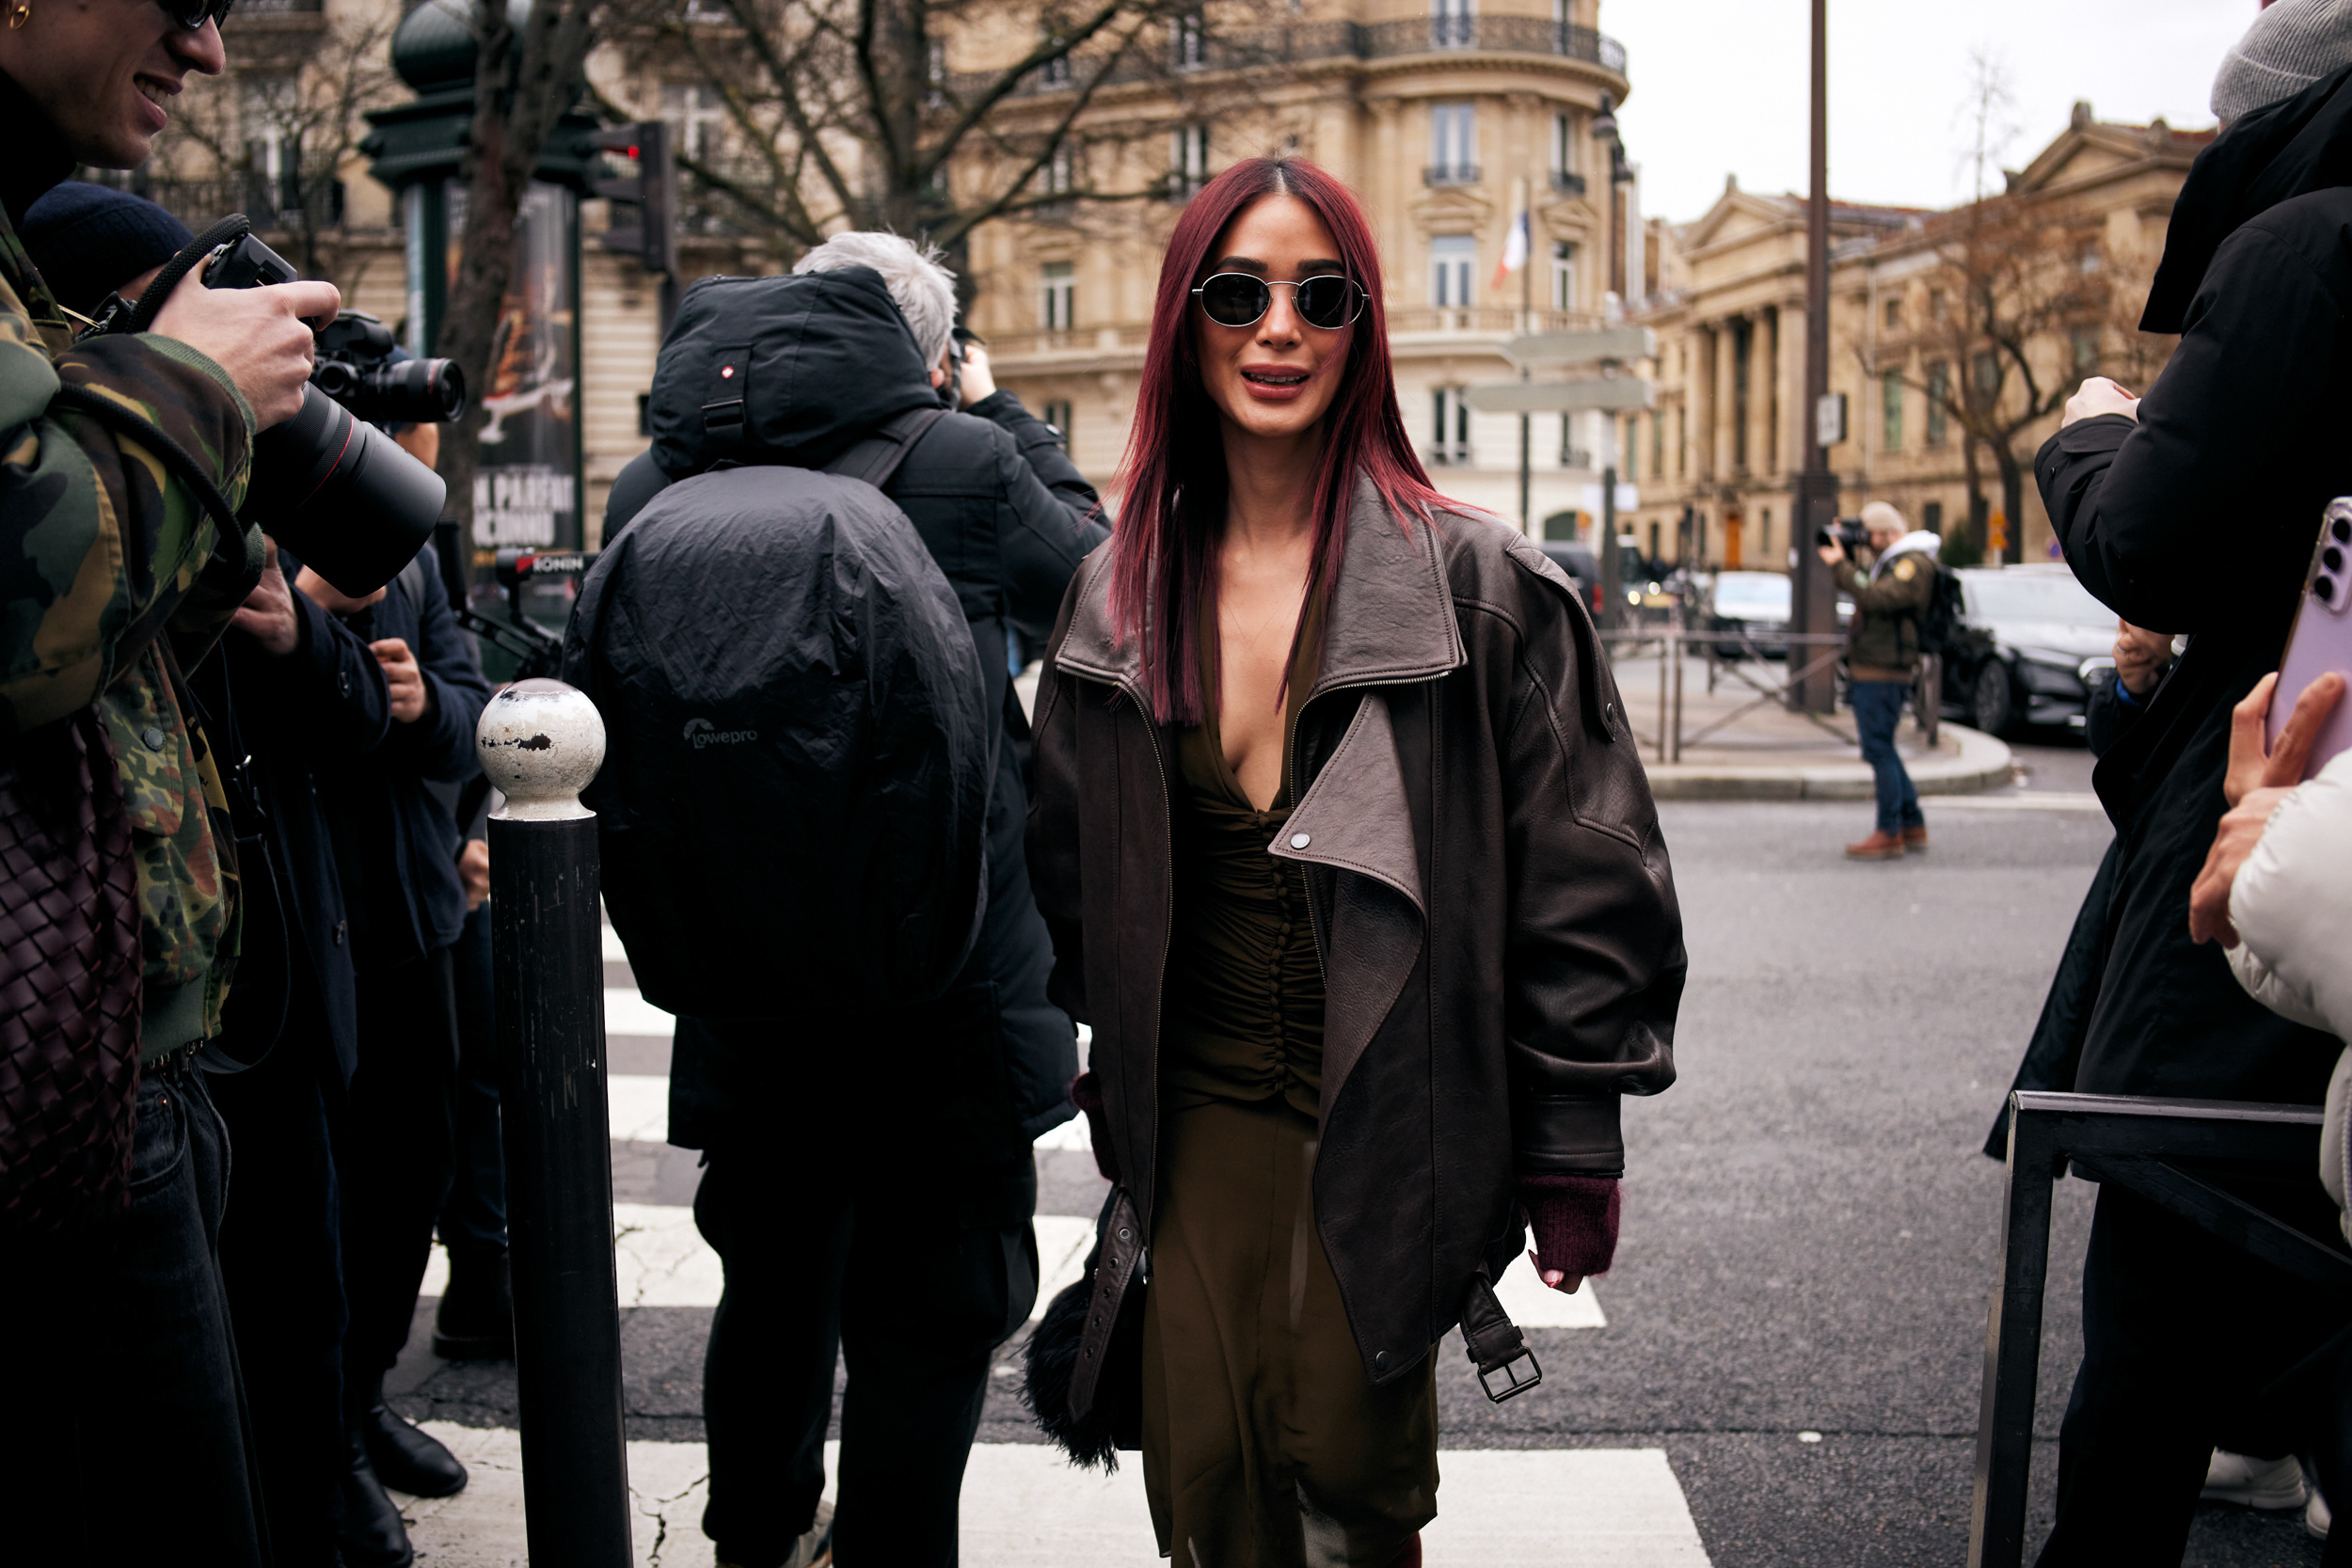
1719, 86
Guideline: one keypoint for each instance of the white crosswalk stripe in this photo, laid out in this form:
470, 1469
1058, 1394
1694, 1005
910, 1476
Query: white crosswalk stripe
1611, 1508
1599, 1508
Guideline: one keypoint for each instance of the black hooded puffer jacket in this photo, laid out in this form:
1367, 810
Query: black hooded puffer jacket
983, 1069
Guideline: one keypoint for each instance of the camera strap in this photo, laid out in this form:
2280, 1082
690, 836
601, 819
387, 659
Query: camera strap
229, 230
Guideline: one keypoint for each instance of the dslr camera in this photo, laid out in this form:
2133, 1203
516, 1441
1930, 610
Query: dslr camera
353, 504
1846, 534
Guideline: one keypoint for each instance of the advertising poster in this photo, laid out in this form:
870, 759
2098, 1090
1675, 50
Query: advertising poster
526, 493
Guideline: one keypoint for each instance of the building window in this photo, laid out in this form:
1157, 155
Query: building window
1563, 275
1572, 455
1764, 535
1452, 145
1057, 417
1894, 315
1187, 160
1939, 395
1453, 261
1452, 445
1055, 71
1936, 305
1932, 516
1187, 41
1056, 297
1891, 410
1682, 438
1453, 25
2086, 346
1564, 179
1632, 446
1988, 374
1657, 446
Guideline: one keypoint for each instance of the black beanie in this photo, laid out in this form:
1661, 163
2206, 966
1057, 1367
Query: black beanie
89, 240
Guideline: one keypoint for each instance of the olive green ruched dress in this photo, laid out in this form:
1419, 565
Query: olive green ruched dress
1265, 1446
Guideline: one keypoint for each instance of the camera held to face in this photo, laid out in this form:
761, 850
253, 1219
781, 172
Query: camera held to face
1846, 534
338, 491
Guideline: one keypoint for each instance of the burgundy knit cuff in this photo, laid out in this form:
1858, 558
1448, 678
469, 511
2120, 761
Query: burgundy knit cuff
1572, 1220
1086, 1093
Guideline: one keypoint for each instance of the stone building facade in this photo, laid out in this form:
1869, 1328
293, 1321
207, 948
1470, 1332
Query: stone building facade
1716, 462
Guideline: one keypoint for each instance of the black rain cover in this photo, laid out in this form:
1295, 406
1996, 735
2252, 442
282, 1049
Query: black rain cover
792, 809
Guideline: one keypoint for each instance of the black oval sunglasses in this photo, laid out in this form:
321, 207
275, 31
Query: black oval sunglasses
193, 14
1327, 301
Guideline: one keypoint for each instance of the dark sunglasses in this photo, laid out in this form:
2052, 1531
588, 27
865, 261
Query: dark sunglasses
193, 14
1328, 300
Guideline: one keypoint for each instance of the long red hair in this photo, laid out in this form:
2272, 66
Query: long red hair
1173, 478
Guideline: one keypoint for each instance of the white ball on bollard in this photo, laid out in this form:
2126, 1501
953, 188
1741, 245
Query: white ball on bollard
541, 742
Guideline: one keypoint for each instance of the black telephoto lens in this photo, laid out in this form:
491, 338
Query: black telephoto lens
342, 494
415, 391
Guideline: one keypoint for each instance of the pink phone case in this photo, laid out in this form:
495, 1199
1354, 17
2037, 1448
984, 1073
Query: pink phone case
2322, 638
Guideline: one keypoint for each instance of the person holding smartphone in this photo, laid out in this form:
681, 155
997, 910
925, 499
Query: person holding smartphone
2195, 509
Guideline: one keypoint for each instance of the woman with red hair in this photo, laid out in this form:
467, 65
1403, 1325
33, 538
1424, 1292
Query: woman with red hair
1351, 865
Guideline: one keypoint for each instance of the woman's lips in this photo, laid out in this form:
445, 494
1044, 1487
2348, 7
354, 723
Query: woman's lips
1275, 383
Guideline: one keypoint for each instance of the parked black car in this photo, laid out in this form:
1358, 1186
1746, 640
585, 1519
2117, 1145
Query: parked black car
2032, 642
1648, 594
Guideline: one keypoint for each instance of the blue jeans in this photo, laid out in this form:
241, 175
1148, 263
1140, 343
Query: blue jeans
1878, 707
125, 1438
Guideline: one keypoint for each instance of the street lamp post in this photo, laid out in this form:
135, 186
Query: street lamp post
1814, 599
1612, 567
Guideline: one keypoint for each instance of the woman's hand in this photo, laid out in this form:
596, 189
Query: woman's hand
2259, 778
2099, 396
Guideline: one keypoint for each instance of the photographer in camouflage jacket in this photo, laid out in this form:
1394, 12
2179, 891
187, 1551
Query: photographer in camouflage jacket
126, 1440
1891, 592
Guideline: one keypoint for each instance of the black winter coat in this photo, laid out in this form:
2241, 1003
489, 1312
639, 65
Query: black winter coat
1007, 518
395, 845
2199, 517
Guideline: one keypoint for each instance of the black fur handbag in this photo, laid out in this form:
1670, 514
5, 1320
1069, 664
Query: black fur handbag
1112, 1419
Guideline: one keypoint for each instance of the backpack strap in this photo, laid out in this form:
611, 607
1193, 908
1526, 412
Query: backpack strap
877, 456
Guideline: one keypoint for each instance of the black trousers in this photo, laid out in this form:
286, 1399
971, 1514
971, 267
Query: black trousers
474, 1218
124, 1443
281, 1260
912, 1285
397, 1156
2189, 1343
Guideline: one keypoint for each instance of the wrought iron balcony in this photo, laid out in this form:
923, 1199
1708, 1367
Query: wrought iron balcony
1567, 183
1450, 174
1306, 42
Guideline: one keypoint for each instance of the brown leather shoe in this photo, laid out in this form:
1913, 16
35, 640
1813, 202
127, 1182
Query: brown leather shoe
1915, 841
1877, 847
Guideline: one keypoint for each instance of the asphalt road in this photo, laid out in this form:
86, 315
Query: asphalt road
1798, 1309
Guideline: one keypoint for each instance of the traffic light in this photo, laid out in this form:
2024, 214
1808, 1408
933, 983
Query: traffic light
652, 190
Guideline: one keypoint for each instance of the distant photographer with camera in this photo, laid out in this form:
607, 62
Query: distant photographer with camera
1889, 572
125, 1441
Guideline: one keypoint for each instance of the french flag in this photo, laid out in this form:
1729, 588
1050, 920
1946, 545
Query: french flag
1514, 250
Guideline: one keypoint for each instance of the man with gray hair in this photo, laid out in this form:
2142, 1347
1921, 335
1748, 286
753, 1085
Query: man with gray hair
2197, 509
1892, 585
913, 1128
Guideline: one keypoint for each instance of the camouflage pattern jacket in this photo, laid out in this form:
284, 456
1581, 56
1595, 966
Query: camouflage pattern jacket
1890, 599
102, 552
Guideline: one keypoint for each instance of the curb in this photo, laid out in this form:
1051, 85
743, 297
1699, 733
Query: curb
1981, 762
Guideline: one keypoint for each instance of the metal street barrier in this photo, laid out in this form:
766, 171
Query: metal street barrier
2152, 1146
541, 742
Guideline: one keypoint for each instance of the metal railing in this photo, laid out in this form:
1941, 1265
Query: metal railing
2164, 1151
1308, 42
1450, 174
280, 203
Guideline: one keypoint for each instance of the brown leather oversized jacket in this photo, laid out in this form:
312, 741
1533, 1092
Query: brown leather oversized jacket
1490, 894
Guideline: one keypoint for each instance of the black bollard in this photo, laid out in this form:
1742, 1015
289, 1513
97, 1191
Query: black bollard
540, 742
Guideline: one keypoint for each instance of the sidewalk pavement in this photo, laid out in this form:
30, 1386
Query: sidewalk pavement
1768, 753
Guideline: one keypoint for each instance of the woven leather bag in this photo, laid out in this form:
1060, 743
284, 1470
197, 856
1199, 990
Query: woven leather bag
69, 978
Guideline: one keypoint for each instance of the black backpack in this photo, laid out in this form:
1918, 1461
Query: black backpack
793, 804
1939, 624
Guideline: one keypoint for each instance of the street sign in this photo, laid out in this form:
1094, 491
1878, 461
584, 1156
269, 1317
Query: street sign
1583, 348
1828, 419
1612, 393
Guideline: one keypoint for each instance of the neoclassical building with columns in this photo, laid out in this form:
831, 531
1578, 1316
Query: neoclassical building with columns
1716, 461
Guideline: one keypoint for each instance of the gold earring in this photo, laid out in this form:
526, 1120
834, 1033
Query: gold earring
21, 15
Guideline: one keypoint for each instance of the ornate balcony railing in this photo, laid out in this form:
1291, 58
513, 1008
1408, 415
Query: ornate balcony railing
1306, 42
275, 204
1450, 174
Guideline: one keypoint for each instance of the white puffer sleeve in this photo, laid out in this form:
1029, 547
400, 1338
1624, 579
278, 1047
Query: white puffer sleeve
2291, 905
